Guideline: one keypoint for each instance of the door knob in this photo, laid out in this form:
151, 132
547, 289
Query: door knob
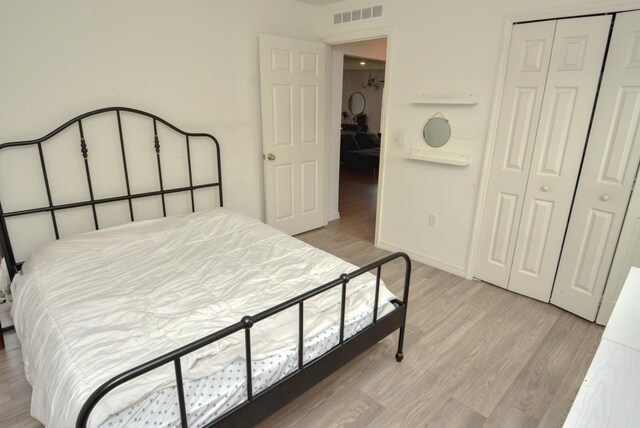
545, 188
271, 156
604, 198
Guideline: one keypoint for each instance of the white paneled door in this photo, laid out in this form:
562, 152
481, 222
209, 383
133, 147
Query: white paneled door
551, 82
527, 67
607, 177
292, 81
572, 82
627, 256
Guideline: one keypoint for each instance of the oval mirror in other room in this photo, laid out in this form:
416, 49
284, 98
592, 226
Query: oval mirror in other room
356, 103
436, 132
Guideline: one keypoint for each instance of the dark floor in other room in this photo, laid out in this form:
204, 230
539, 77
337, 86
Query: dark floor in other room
357, 204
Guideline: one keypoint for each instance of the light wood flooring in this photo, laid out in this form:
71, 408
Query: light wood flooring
475, 356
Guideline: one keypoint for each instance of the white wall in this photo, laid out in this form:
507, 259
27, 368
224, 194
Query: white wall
439, 47
193, 63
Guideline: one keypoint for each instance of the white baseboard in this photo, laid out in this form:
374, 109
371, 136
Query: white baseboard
333, 216
427, 260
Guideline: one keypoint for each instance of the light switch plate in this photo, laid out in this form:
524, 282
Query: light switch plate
402, 138
433, 219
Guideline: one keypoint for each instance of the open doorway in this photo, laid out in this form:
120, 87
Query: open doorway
359, 104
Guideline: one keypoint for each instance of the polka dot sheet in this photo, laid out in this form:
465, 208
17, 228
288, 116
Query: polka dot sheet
211, 397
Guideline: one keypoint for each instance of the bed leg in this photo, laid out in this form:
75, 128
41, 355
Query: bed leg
399, 355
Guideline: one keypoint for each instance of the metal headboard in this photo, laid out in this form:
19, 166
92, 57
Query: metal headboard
5, 242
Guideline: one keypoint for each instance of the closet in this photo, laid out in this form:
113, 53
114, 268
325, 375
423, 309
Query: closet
566, 155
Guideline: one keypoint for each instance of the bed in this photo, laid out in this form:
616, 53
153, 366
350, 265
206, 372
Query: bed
184, 313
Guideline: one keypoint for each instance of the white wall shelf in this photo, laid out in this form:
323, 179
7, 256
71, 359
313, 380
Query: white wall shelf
449, 158
446, 99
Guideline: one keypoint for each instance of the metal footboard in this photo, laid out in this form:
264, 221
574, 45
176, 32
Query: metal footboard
258, 406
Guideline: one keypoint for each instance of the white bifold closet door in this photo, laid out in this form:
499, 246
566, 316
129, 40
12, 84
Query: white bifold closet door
574, 72
552, 76
627, 255
607, 177
527, 66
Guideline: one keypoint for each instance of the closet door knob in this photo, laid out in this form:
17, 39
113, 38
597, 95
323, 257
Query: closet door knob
604, 198
545, 188
271, 156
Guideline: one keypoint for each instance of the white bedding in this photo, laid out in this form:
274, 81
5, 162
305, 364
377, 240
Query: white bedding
4, 282
210, 397
92, 306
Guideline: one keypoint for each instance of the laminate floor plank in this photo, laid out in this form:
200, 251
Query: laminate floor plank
349, 409
455, 414
451, 366
558, 409
9, 356
494, 374
538, 382
505, 415
19, 388
22, 420
434, 345
5, 392
12, 409
337, 387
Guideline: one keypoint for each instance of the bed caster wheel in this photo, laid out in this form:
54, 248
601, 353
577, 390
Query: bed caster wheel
399, 357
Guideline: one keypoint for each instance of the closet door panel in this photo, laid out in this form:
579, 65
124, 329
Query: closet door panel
529, 56
574, 73
610, 166
627, 255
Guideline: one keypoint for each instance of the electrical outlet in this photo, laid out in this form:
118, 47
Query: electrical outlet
433, 219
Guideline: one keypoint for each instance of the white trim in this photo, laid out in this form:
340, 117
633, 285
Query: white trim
333, 216
384, 146
358, 36
334, 102
423, 258
327, 127
577, 10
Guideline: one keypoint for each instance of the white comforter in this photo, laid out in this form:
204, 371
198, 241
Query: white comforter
92, 306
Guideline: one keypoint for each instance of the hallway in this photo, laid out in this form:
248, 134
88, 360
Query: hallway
357, 205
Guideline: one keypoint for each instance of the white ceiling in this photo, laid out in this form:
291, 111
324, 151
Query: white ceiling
353, 63
319, 2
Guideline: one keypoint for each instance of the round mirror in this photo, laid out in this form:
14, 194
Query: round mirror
436, 132
356, 103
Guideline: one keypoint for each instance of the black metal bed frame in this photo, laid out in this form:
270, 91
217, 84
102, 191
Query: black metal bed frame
259, 405
5, 242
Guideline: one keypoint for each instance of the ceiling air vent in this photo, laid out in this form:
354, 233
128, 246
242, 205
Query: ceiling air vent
359, 14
